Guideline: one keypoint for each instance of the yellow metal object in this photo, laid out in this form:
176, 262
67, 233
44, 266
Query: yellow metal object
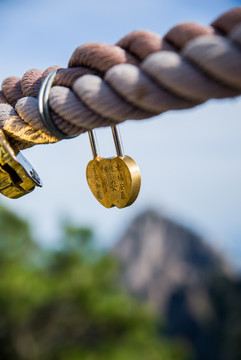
17, 176
114, 182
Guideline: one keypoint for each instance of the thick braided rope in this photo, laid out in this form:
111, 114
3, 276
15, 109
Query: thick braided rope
143, 75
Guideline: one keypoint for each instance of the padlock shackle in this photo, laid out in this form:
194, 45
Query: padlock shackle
117, 140
93, 143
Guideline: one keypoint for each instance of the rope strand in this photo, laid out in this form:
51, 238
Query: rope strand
143, 75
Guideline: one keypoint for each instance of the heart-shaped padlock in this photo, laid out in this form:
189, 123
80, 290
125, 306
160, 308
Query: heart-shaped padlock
114, 181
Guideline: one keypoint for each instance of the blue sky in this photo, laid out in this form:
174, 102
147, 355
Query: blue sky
198, 151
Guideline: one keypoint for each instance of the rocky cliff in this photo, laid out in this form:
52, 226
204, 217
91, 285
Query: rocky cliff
187, 283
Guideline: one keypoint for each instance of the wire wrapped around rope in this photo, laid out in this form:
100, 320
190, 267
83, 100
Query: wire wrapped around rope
143, 75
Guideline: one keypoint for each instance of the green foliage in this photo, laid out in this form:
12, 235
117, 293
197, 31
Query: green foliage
66, 304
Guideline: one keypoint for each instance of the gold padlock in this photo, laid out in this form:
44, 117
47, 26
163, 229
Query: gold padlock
115, 181
17, 176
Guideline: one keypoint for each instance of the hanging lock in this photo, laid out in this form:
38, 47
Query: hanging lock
17, 176
114, 181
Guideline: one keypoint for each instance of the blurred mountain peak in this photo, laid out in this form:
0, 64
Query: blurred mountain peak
186, 282
159, 255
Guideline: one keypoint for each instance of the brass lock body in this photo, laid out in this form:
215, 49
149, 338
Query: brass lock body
17, 176
114, 181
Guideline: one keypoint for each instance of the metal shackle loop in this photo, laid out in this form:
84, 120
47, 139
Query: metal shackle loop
43, 103
117, 141
93, 143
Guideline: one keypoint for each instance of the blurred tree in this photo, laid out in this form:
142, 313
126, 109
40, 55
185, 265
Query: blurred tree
66, 304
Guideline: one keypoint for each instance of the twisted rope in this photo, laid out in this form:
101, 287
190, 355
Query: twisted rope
143, 75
